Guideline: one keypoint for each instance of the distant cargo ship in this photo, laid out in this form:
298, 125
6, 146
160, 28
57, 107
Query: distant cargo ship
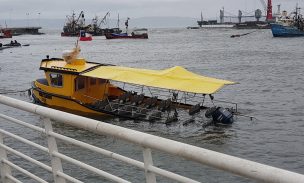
253, 25
257, 24
211, 24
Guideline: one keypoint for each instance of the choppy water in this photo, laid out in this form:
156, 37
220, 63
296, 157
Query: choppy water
271, 88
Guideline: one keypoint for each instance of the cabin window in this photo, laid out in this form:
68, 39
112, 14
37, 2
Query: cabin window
92, 81
79, 83
56, 79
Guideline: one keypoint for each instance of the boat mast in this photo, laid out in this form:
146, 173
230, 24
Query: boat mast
118, 21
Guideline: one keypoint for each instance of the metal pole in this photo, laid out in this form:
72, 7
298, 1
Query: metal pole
5, 170
55, 161
150, 177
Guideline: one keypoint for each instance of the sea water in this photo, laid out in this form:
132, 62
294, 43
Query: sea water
269, 72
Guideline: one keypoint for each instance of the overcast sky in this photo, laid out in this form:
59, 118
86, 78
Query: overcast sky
34, 9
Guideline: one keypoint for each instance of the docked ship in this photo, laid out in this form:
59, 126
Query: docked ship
288, 25
75, 24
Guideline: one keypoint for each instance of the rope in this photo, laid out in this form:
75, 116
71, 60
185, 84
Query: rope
18, 91
239, 35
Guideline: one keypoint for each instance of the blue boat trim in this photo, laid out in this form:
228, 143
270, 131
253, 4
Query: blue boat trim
279, 30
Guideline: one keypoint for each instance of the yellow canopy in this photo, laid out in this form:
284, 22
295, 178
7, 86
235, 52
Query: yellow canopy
175, 78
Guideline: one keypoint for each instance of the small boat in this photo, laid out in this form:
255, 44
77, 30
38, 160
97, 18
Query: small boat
5, 33
13, 44
136, 34
166, 96
288, 26
83, 36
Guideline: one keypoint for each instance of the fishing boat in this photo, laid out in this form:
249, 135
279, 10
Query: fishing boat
89, 88
136, 34
288, 25
75, 24
5, 33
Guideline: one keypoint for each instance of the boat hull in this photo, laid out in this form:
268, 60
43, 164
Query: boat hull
62, 103
124, 36
252, 25
279, 30
85, 38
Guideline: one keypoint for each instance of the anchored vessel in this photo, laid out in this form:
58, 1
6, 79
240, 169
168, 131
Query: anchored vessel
288, 26
90, 88
136, 34
75, 24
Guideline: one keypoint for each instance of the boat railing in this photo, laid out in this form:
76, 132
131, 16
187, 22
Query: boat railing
164, 94
148, 143
159, 113
235, 108
182, 97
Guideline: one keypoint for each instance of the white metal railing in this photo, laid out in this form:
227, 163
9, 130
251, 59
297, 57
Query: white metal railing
238, 166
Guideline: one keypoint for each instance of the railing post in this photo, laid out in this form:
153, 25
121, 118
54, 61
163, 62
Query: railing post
55, 161
4, 168
150, 176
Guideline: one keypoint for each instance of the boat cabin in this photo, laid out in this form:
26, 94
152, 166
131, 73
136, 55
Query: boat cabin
63, 80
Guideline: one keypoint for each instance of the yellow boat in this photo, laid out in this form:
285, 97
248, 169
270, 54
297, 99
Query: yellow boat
87, 88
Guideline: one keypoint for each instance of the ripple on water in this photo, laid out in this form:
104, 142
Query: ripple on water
271, 87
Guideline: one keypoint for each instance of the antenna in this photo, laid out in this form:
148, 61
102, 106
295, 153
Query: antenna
118, 21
